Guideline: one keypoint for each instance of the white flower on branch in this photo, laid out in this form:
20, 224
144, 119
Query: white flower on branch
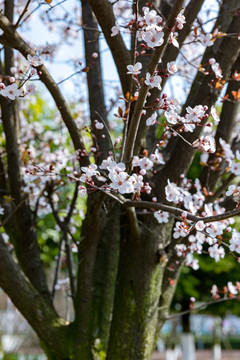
153, 38
232, 288
134, 69
151, 17
172, 67
206, 143
82, 190
161, 216
89, 172
115, 29
180, 230
215, 115
34, 60
180, 19
216, 69
235, 241
152, 119
11, 92
216, 252
206, 39
153, 81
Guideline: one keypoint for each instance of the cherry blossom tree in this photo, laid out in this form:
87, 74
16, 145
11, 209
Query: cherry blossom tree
145, 215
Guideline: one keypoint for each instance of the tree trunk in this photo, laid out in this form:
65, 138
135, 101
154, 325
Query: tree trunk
105, 273
141, 269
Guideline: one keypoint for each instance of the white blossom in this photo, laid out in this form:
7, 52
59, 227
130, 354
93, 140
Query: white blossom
134, 69
152, 119
172, 192
172, 67
151, 17
206, 143
153, 81
180, 19
206, 39
161, 216
82, 190
180, 230
216, 252
235, 241
115, 29
215, 115
34, 60
153, 38
11, 91
232, 288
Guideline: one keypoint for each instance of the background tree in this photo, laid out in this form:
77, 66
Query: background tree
123, 277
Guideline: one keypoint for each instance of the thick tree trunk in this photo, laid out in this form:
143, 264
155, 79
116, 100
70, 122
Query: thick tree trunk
105, 272
141, 269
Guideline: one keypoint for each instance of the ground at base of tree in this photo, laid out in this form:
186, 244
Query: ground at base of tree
205, 355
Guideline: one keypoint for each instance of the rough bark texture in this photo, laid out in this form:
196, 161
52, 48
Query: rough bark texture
121, 55
105, 273
92, 227
138, 290
95, 84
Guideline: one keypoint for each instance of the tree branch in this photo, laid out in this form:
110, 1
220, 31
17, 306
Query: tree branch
12, 39
170, 54
95, 84
178, 212
121, 56
41, 316
25, 239
136, 117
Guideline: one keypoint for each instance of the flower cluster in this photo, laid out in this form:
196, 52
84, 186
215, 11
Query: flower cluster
200, 233
228, 291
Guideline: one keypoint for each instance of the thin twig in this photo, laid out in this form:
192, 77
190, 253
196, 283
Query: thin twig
202, 306
108, 133
178, 212
13, 212
69, 77
22, 14
32, 12
180, 136
133, 62
70, 266
219, 191
73, 203
58, 265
